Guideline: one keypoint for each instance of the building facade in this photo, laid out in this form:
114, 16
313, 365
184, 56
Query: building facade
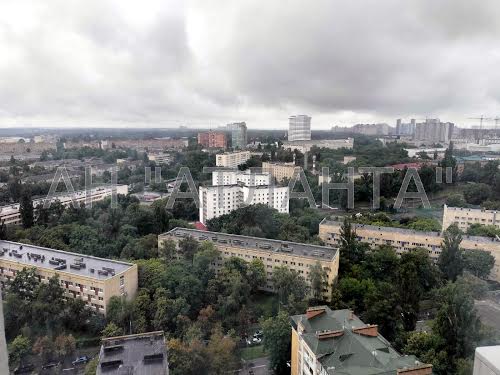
305, 146
232, 159
464, 217
299, 128
404, 240
10, 214
216, 201
240, 177
326, 342
212, 139
238, 135
407, 129
273, 253
91, 279
279, 171
161, 158
487, 360
434, 131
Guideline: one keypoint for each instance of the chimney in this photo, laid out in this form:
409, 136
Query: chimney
322, 335
315, 311
369, 330
351, 315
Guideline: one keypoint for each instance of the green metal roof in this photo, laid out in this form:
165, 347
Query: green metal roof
351, 353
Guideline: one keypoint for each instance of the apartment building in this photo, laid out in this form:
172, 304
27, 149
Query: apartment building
327, 342
155, 144
238, 134
240, 177
273, 253
232, 159
305, 146
161, 158
10, 214
434, 131
212, 139
299, 128
403, 240
220, 200
93, 280
143, 353
464, 217
406, 128
279, 171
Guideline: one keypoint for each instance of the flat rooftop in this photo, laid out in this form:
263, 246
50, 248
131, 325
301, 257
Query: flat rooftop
405, 231
135, 354
258, 243
76, 264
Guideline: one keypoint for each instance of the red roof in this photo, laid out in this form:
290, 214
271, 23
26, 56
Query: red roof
200, 226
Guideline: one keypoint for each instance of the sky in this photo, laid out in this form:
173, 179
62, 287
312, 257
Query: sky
205, 63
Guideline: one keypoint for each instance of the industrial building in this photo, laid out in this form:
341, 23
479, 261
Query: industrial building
91, 279
273, 253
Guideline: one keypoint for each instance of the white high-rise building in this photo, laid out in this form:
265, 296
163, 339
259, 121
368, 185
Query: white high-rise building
242, 177
233, 189
299, 128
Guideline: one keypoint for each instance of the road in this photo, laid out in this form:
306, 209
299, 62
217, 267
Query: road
259, 366
489, 313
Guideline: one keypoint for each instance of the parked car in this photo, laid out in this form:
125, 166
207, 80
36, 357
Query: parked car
80, 360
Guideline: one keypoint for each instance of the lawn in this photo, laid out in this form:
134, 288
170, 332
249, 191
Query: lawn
252, 352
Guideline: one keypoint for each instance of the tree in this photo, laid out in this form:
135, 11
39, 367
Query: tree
24, 284
478, 262
290, 286
111, 330
456, 321
456, 200
318, 279
26, 209
44, 347
65, 345
188, 247
382, 308
221, 351
3, 230
450, 260
256, 274
18, 349
477, 193
351, 252
410, 293
167, 250
277, 341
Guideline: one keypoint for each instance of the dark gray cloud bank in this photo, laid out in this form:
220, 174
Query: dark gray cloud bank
208, 62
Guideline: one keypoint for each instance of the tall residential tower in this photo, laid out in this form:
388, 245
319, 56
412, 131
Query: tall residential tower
299, 128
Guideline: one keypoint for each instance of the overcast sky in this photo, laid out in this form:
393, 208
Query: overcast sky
210, 62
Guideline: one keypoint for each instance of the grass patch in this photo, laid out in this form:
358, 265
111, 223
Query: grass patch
252, 352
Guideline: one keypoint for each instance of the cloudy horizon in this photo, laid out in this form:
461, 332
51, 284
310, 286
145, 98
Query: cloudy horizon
206, 63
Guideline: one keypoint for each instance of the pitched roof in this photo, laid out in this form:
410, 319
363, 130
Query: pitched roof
343, 344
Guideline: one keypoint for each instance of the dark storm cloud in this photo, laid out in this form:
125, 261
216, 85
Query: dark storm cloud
161, 63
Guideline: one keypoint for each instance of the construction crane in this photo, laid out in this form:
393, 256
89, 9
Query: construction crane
481, 119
